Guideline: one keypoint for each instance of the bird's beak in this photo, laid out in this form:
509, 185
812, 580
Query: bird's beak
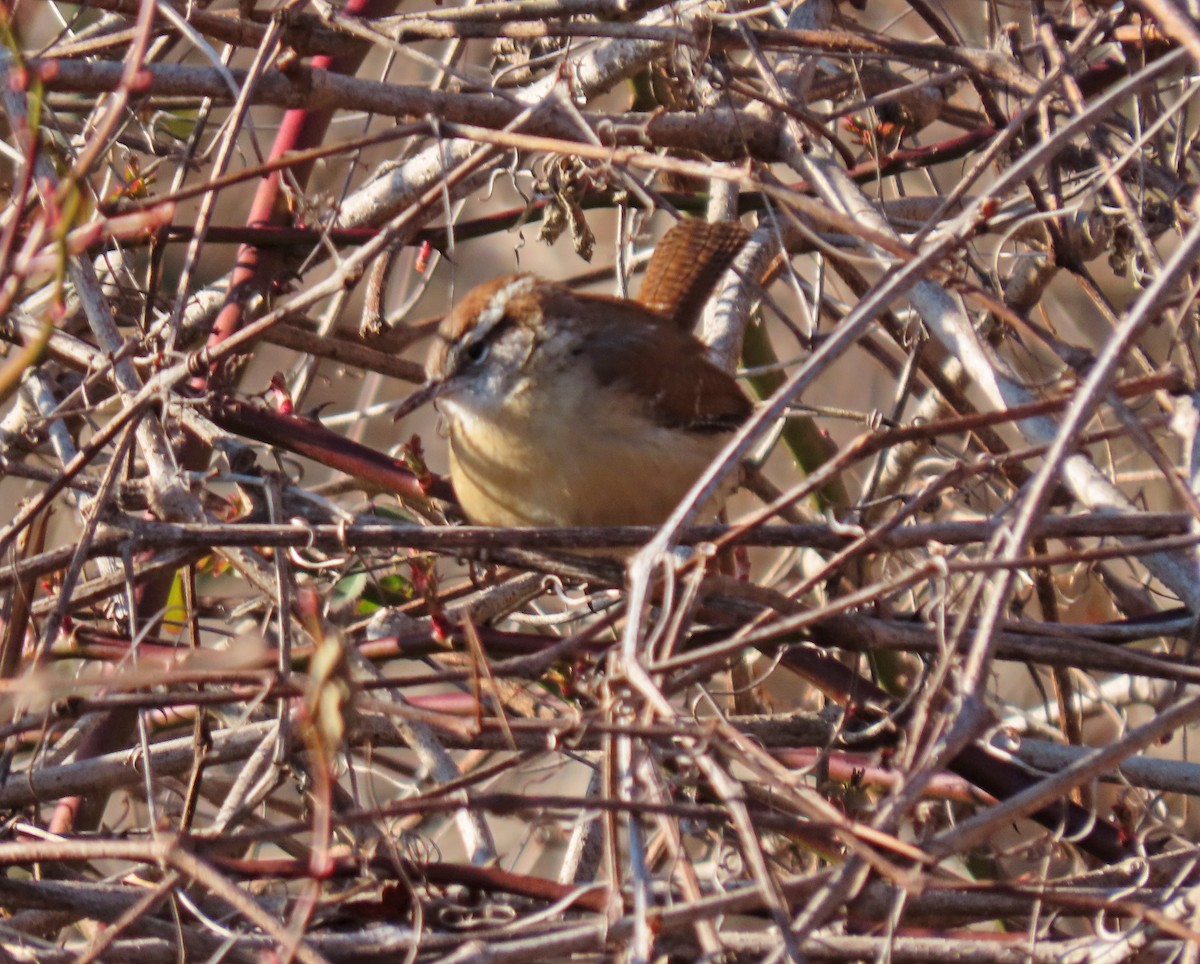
426, 393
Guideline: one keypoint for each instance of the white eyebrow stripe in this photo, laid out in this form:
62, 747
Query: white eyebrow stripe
499, 302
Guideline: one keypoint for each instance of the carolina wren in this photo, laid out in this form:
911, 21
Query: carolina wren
572, 409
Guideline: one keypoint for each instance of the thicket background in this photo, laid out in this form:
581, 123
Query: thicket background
264, 700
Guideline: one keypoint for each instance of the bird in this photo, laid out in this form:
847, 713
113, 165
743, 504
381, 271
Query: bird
566, 408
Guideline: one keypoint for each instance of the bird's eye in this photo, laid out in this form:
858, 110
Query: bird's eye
476, 352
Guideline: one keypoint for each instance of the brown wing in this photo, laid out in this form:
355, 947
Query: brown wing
668, 370
686, 266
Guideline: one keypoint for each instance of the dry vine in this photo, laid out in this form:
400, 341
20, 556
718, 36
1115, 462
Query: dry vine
926, 697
